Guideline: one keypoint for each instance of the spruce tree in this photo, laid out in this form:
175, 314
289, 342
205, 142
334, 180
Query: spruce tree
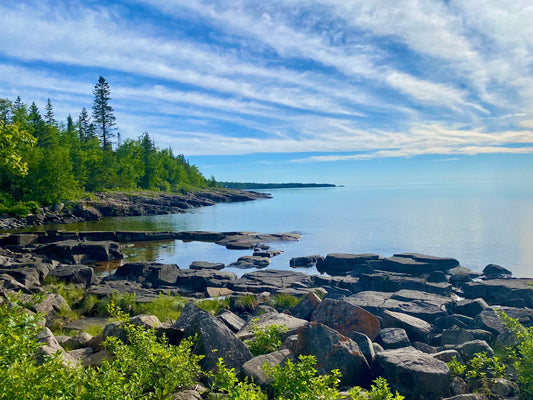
84, 123
49, 115
103, 113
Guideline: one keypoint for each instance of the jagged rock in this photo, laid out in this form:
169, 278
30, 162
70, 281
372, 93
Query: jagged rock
346, 264
470, 308
414, 374
334, 351
192, 281
417, 329
345, 318
393, 338
212, 334
501, 291
52, 303
489, 320
305, 308
458, 320
294, 325
28, 277
493, 271
81, 274
365, 345
232, 321
88, 213
469, 349
304, 262
254, 368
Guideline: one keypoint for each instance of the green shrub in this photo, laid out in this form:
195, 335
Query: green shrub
299, 381
521, 355
72, 293
380, 390
456, 367
283, 301
123, 301
227, 386
266, 339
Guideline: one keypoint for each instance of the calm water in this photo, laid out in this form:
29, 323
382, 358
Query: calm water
476, 223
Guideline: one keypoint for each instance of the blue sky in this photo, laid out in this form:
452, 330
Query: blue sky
293, 90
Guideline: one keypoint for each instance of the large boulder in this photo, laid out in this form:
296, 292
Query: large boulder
214, 338
76, 252
81, 274
293, 325
345, 318
393, 338
501, 291
334, 351
414, 374
254, 367
270, 280
307, 305
153, 273
493, 271
417, 329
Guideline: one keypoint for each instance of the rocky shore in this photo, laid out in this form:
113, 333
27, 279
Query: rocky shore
401, 317
124, 204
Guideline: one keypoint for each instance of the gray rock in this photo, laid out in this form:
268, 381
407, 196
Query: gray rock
269, 280
365, 345
251, 262
459, 386
469, 349
76, 252
467, 396
254, 368
501, 291
305, 308
470, 308
393, 338
290, 343
199, 265
52, 303
215, 339
489, 320
414, 374
81, 354
457, 320
96, 359
456, 336
345, 317
417, 329
79, 274
448, 355
80, 340
187, 395
493, 271
293, 325
504, 388
232, 321
43, 354
304, 262
345, 264
334, 351
146, 321
154, 273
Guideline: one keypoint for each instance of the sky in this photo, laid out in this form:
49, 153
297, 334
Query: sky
337, 91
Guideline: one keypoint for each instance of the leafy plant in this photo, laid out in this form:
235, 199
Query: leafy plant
283, 301
266, 339
456, 367
380, 390
227, 386
299, 381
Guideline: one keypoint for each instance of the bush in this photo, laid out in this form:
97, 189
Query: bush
283, 301
227, 386
266, 339
380, 390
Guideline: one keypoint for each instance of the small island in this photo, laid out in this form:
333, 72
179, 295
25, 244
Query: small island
256, 186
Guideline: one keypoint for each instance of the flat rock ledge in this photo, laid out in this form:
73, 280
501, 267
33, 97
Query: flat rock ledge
400, 317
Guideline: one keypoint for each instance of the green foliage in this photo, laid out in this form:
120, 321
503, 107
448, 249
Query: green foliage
521, 354
125, 302
283, 301
483, 366
94, 329
266, 339
456, 367
227, 386
70, 292
166, 308
299, 381
380, 390
213, 306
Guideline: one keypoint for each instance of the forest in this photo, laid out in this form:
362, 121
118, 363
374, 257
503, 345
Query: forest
43, 161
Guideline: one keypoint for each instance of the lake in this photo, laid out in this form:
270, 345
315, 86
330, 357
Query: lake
476, 223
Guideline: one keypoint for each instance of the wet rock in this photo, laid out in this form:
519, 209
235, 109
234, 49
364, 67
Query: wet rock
212, 334
414, 374
334, 351
345, 264
346, 317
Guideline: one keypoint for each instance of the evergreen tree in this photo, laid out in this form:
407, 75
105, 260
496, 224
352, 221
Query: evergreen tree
49, 115
103, 115
84, 123
35, 118
70, 125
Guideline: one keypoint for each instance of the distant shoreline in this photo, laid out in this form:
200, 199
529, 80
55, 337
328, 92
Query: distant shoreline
253, 185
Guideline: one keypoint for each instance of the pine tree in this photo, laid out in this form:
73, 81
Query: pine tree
83, 125
49, 116
103, 113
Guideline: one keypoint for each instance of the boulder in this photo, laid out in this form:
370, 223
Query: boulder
192, 281
304, 262
76, 252
307, 305
77, 342
153, 273
269, 280
414, 374
393, 338
493, 271
293, 325
334, 351
501, 291
438, 263
469, 349
254, 368
251, 262
345, 318
417, 329
470, 307
458, 320
346, 264
78, 274
365, 345
489, 320
214, 338
232, 321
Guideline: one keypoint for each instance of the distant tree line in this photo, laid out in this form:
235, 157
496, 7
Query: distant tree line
44, 161
252, 185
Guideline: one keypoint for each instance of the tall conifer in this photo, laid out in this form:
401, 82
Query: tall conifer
103, 115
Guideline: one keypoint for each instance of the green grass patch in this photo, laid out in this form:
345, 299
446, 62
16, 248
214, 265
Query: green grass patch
283, 301
213, 306
166, 308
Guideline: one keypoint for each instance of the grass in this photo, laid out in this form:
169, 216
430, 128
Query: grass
94, 329
283, 301
213, 306
166, 308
